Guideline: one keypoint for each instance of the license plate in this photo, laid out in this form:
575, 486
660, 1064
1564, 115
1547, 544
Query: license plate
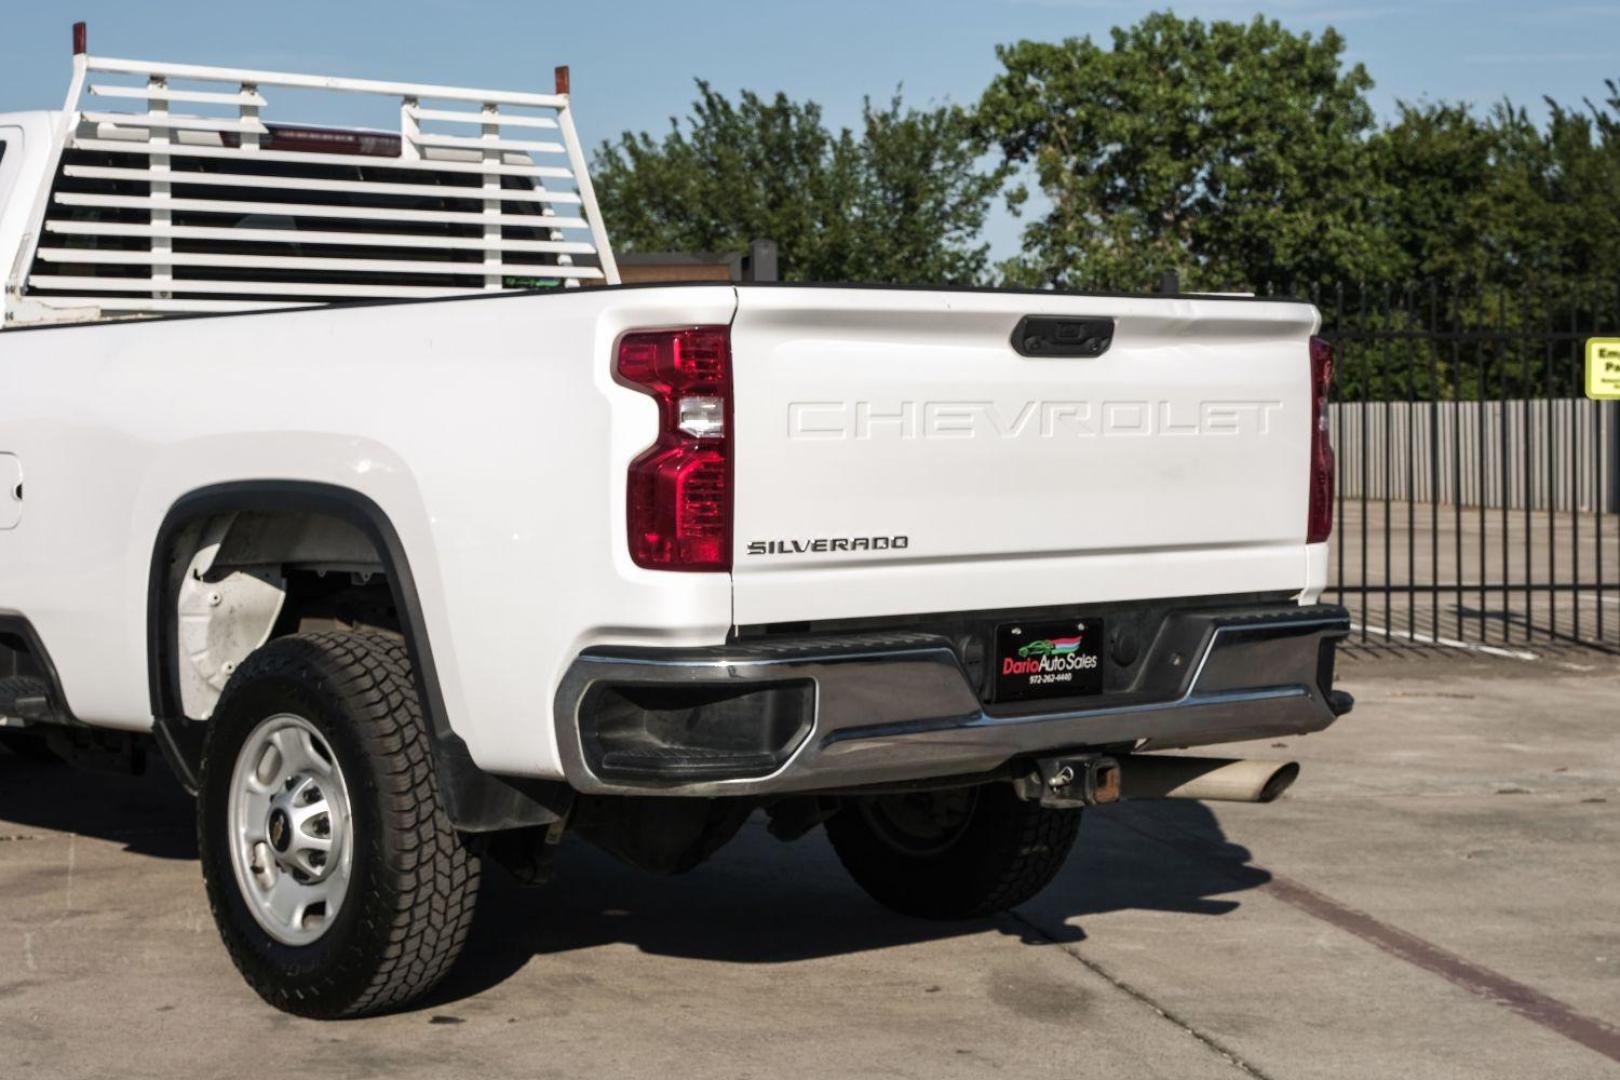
1049, 659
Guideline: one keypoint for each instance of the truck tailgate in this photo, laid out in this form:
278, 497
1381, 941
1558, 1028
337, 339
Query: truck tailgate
895, 454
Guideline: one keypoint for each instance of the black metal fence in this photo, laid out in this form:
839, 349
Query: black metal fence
1478, 488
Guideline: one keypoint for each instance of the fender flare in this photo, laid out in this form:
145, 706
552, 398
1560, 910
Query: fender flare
475, 800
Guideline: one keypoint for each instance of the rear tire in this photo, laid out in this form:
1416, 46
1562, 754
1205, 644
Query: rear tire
958, 854
325, 730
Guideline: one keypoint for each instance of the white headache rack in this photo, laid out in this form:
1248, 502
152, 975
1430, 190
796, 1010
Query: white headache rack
175, 189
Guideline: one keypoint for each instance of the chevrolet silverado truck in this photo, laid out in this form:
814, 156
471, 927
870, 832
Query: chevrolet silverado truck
338, 467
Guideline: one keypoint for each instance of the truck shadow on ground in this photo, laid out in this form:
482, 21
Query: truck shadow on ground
150, 815
763, 902
758, 902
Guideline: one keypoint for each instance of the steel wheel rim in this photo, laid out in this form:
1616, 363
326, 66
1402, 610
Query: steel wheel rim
923, 823
290, 829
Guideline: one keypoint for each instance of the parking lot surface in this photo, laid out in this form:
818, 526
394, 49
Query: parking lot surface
1438, 896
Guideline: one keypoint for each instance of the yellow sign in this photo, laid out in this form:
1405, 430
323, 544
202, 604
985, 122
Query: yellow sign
1602, 368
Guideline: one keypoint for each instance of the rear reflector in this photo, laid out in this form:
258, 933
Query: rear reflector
679, 492
1319, 519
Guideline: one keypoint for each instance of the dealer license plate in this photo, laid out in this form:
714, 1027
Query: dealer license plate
1049, 659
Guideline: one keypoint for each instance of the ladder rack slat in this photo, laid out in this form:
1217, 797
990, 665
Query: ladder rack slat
300, 236
322, 264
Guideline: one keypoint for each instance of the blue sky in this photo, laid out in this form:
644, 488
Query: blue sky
633, 62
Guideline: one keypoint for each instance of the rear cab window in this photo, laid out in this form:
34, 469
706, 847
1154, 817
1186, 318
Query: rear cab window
5, 179
7, 137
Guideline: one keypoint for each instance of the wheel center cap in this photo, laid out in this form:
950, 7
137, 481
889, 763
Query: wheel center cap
279, 830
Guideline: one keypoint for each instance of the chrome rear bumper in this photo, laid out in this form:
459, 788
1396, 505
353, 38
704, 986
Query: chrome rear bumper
857, 710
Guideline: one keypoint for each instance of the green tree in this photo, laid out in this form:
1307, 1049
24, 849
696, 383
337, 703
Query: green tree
1512, 223
1500, 201
1440, 211
1236, 153
1562, 185
903, 203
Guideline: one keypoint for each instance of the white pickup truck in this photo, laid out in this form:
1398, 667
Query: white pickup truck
337, 464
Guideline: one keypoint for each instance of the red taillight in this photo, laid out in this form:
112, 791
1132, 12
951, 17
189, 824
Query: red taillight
679, 491
1319, 519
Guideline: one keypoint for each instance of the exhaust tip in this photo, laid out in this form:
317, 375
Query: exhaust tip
1173, 776
1279, 781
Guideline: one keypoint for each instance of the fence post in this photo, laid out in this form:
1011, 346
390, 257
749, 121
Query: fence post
1611, 497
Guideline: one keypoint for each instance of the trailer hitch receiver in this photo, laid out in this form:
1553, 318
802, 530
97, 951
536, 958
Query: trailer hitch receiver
1072, 780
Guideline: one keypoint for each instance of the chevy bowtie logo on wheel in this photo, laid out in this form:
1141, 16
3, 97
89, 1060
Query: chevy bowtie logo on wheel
278, 830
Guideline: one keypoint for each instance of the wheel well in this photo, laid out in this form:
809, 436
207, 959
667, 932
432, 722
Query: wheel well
15, 656
282, 557
23, 654
238, 578
238, 563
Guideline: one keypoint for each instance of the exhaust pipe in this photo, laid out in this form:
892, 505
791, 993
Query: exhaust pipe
1157, 776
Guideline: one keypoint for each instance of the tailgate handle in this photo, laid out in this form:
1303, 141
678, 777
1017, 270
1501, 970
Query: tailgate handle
1060, 335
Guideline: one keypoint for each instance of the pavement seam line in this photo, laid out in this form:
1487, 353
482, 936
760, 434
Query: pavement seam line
1519, 998
1208, 1041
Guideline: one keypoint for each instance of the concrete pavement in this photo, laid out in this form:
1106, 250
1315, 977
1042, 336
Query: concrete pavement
1437, 897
